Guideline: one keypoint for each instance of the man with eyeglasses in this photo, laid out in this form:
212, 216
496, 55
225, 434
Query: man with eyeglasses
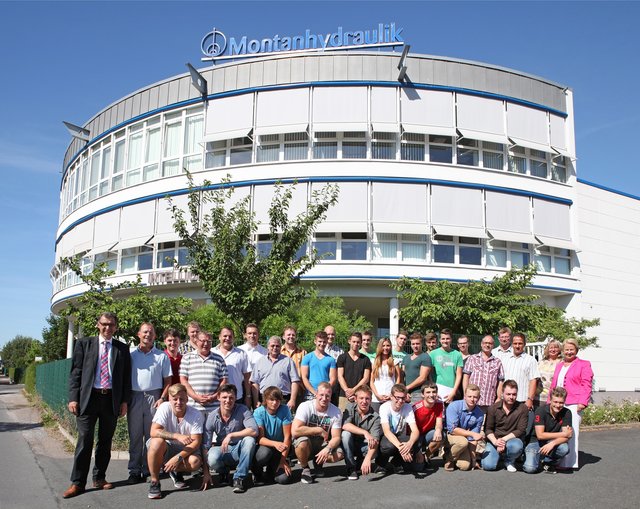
99, 391
202, 372
277, 370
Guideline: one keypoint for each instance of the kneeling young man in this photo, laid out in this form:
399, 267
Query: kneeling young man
176, 436
553, 430
361, 433
429, 419
400, 432
235, 431
464, 427
316, 430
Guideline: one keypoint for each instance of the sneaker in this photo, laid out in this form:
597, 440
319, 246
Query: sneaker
154, 490
318, 470
134, 479
238, 485
224, 479
352, 474
548, 468
306, 477
178, 480
510, 467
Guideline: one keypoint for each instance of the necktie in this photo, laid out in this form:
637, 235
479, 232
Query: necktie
104, 365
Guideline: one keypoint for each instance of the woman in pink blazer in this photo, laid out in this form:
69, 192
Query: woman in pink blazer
576, 376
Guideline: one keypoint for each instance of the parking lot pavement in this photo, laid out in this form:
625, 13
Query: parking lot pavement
608, 477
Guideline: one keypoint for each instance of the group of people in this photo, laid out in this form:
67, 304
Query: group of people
247, 410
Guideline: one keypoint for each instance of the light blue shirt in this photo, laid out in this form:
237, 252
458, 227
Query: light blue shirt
459, 416
148, 370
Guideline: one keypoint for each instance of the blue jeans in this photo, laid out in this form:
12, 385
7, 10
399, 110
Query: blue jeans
532, 456
427, 438
491, 456
355, 448
238, 455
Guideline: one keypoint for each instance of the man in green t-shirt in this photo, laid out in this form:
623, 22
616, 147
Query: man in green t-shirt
447, 364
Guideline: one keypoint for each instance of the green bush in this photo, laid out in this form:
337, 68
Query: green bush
16, 375
612, 413
30, 379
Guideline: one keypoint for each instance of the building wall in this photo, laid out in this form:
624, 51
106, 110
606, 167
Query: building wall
609, 229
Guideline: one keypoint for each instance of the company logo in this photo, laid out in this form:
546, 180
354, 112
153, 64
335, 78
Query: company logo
214, 44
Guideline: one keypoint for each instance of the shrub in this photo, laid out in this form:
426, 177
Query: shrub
612, 413
30, 379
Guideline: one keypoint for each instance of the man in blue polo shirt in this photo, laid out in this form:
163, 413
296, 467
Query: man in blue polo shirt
317, 367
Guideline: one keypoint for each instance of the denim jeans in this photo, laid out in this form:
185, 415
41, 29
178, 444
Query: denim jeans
238, 455
491, 456
532, 456
355, 448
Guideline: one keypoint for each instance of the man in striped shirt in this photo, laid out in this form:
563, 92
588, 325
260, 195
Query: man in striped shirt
523, 368
202, 372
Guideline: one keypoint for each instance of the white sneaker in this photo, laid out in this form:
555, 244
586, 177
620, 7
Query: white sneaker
510, 467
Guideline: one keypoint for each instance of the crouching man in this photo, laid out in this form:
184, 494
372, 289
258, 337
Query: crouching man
552, 432
361, 432
176, 436
235, 431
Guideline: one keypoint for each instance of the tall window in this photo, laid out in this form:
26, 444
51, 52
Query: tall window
383, 145
517, 160
538, 163
354, 145
467, 152
493, 155
325, 145
325, 245
353, 246
444, 249
412, 147
440, 149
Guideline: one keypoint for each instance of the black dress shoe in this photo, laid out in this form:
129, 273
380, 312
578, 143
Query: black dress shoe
134, 479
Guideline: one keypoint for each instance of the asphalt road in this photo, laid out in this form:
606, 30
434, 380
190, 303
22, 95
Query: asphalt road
34, 471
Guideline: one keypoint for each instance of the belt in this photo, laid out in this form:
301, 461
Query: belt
102, 391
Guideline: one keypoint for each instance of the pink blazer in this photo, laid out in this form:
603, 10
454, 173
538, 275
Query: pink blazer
577, 381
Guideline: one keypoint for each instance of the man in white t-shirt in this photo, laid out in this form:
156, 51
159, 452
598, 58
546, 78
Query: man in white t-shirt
316, 429
176, 435
400, 432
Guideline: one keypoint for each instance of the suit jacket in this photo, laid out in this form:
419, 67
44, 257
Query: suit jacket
577, 381
83, 372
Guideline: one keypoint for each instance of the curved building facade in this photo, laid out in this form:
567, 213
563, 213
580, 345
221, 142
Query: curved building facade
459, 172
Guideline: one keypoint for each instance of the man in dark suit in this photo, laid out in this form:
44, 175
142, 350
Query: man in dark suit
99, 390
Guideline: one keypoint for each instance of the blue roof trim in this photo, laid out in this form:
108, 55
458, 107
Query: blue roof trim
609, 189
308, 84
245, 183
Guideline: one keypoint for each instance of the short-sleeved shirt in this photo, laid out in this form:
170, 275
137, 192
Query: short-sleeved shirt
191, 424
522, 369
319, 368
334, 351
459, 416
412, 367
237, 365
216, 428
273, 424
253, 353
398, 356
148, 370
370, 355
353, 370
397, 421
369, 422
280, 373
175, 367
486, 373
204, 375
552, 424
312, 417
296, 355
445, 365
426, 417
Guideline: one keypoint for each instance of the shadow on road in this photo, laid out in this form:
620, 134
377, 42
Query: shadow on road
585, 458
19, 426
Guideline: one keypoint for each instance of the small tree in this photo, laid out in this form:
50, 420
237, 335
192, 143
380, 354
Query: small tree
54, 339
20, 351
481, 307
129, 300
245, 285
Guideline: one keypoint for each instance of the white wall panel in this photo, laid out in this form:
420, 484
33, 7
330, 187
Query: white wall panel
107, 231
457, 206
229, 117
551, 219
384, 109
350, 213
398, 204
430, 109
340, 109
286, 109
480, 114
508, 212
138, 221
527, 124
164, 216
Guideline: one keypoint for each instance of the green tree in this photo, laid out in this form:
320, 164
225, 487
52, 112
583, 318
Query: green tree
481, 307
129, 300
54, 338
315, 313
244, 284
211, 319
20, 351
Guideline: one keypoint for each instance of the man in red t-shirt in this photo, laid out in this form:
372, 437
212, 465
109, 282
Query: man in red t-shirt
172, 343
428, 412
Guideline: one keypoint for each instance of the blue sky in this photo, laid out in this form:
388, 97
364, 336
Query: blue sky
68, 60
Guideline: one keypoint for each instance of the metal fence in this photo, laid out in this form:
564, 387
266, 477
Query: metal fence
52, 382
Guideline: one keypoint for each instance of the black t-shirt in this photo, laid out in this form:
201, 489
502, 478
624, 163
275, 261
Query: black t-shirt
552, 424
353, 370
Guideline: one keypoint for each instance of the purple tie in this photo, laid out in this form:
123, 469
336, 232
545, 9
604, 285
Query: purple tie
104, 365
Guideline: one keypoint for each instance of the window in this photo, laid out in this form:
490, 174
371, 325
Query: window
517, 160
383, 146
467, 152
385, 246
470, 251
559, 169
496, 253
354, 145
538, 163
520, 255
440, 149
325, 245
268, 150
542, 259
240, 152
414, 248
325, 145
493, 155
264, 245
444, 250
165, 256
562, 261
353, 246
216, 156
412, 147
109, 258
296, 146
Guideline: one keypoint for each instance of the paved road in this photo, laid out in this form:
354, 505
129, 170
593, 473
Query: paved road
35, 470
